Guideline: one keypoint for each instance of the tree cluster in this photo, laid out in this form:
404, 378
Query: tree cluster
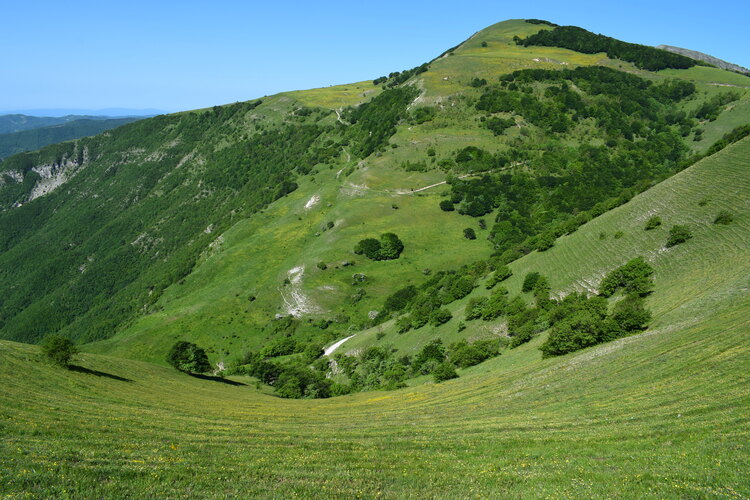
581, 40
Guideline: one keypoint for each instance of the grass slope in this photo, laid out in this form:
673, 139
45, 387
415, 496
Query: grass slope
655, 416
692, 279
662, 414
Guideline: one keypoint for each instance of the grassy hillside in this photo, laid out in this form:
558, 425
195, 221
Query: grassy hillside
660, 415
206, 225
692, 279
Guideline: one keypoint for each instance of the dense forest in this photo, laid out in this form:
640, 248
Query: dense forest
580, 40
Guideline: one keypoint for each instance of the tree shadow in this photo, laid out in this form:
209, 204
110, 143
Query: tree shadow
215, 379
81, 369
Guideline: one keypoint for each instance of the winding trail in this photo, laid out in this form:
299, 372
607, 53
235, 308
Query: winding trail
332, 348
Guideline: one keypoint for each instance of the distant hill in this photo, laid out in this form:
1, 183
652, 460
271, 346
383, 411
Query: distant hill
31, 139
104, 112
700, 56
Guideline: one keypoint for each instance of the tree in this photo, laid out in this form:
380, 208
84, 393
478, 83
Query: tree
529, 281
469, 234
59, 350
634, 277
447, 206
369, 247
444, 371
188, 357
390, 246
678, 234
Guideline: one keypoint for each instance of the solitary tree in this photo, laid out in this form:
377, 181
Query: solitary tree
188, 357
59, 350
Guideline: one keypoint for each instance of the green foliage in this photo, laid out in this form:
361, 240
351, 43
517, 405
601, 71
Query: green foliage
580, 40
469, 234
58, 350
653, 222
541, 21
399, 299
447, 206
478, 82
423, 114
374, 122
429, 357
724, 217
711, 109
582, 329
444, 371
729, 138
634, 277
530, 280
388, 248
369, 247
188, 357
463, 355
499, 125
440, 316
630, 314
130, 237
500, 274
678, 234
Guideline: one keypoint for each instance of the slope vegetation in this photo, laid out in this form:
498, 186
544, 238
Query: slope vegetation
660, 414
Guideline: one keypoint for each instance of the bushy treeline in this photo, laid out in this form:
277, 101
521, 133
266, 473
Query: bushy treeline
374, 122
581, 40
418, 306
577, 320
398, 77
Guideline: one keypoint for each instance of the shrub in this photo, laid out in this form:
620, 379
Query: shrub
630, 314
440, 316
188, 357
388, 248
447, 206
59, 350
502, 273
723, 217
529, 281
444, 371
634, 277
322, 266
678, 234
580, 330
469, 234
653, 223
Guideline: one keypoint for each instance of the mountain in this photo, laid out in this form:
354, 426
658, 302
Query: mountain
34, 138
700, 56
209, 224
18, 122
519, 269
661, 408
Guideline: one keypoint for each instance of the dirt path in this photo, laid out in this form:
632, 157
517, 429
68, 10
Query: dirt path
332, 348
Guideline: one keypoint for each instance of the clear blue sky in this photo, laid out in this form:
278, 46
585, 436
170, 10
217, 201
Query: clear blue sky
190, 54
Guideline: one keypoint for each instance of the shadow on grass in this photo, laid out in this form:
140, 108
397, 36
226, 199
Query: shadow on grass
215, 379
81, 369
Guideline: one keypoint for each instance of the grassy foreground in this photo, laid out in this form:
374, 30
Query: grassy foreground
660, 415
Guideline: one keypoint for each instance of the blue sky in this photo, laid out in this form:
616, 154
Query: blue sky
185, 55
